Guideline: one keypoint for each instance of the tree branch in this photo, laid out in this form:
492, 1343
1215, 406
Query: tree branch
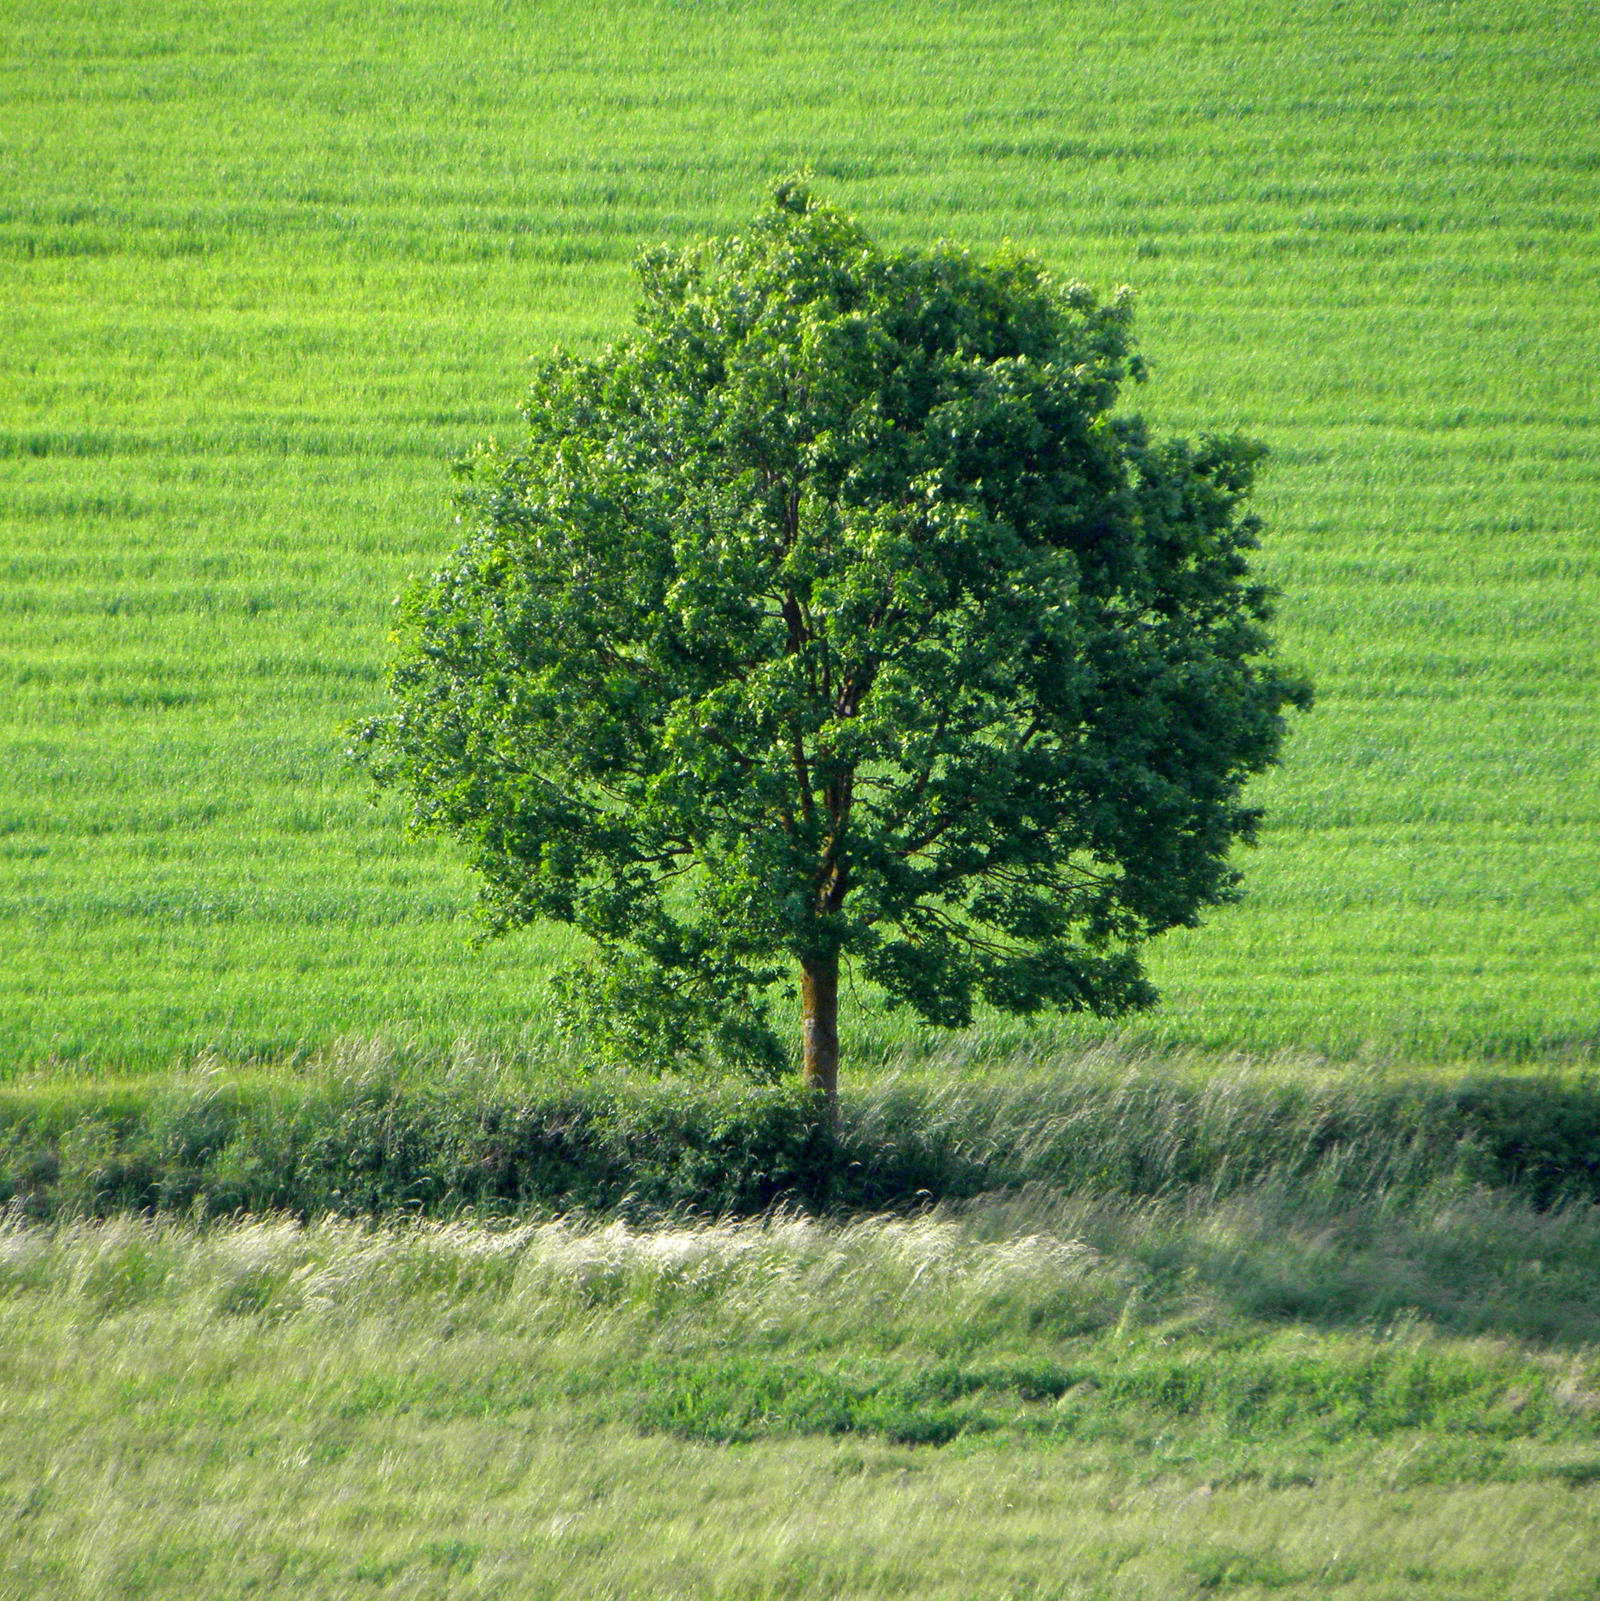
802, 775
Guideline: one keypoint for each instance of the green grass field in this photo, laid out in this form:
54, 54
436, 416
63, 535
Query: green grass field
756, 1411
266, 270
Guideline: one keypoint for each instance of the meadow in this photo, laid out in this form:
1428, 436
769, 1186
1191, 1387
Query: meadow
1107, 1328
268, 270
757, 1410
325, 1271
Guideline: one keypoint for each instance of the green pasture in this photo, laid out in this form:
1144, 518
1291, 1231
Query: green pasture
1060, 1398
266, 270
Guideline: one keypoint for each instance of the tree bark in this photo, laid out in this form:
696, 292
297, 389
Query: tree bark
819, 1010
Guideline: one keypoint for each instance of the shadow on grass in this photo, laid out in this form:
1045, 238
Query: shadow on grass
1459, 1261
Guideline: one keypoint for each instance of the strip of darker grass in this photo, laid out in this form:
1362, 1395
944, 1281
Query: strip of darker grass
385, 1140
1329, 1397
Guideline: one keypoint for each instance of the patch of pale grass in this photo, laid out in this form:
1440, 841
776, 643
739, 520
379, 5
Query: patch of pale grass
781, 1274
1467, 1262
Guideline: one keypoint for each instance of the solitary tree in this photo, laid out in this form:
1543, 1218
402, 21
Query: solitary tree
835, 611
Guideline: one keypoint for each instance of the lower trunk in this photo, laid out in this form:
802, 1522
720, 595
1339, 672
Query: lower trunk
819, 1009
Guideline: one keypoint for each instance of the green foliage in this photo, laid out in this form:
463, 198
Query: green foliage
836, 613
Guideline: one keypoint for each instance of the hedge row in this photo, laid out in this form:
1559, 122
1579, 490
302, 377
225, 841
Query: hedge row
380, 1143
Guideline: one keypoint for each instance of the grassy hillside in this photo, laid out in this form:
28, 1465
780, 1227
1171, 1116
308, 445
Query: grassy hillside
267, 269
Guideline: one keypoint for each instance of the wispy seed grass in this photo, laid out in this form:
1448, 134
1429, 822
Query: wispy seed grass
1053, 1394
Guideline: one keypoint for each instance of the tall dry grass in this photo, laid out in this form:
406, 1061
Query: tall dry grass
1046, 1395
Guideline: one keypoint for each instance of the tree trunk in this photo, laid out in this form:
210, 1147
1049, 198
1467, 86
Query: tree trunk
819, 1008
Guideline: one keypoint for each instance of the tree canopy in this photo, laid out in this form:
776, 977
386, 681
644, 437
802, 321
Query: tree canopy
836, 611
